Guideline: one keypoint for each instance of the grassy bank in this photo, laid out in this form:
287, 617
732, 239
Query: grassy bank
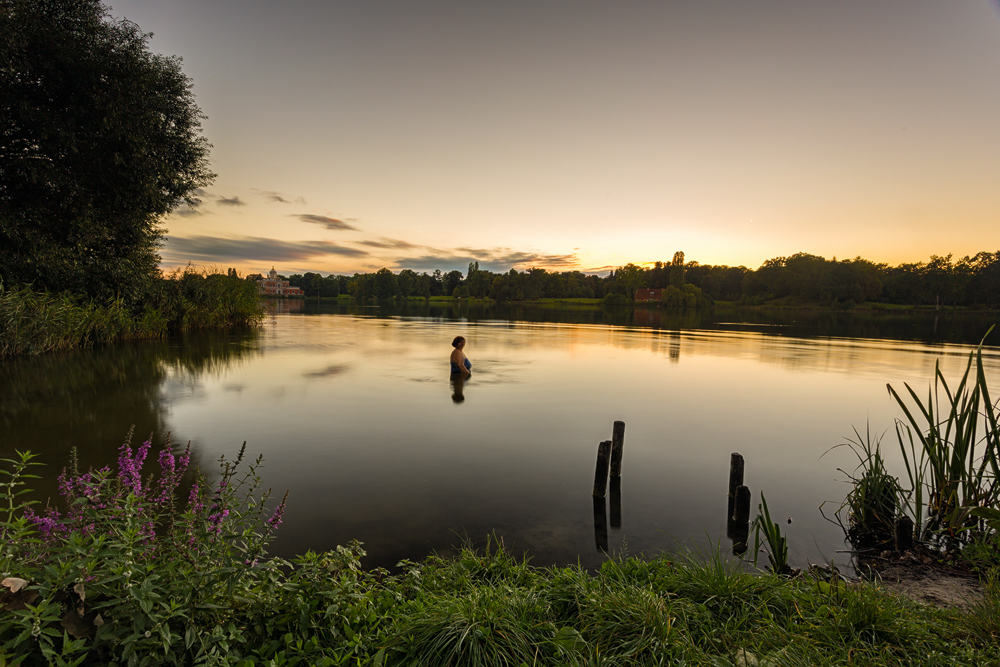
130, 571
39, 322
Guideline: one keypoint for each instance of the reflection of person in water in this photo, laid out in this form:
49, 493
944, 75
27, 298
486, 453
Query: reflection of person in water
458, 387
460, 364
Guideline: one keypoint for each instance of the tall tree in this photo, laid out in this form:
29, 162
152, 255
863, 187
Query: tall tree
99, 139
385, 284
677, 270
451, 280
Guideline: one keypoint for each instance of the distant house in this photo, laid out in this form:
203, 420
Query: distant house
271, 286
644, 294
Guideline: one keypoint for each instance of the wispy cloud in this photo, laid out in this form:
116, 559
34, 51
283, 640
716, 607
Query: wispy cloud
278, 197
496, 259
231, 201
189, 207
213, 248
186, 211
396, 244
329, 223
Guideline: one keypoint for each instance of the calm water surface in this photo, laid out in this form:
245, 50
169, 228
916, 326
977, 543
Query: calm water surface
356, 415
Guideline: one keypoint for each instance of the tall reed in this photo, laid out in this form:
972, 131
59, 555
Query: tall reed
39, 322
950, 444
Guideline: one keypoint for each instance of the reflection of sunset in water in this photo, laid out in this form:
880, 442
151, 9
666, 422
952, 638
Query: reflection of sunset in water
359, 417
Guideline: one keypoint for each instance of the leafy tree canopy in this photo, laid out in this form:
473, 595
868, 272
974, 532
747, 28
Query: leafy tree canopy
99, 139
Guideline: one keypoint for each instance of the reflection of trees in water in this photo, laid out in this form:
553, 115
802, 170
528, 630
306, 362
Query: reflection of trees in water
925, 326
90, 398
283, 306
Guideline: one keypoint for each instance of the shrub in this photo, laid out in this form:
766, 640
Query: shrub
127, 568
614, 299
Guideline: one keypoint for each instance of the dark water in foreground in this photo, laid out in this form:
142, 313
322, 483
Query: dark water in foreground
355, 413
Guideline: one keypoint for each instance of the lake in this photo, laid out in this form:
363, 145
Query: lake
356, 415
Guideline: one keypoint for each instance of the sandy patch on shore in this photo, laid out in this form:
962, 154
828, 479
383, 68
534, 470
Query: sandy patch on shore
923, 580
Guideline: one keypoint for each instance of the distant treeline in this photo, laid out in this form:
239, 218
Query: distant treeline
801, 278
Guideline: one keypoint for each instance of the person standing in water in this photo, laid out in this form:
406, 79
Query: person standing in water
460, 364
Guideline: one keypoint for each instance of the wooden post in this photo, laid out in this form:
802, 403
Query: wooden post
738, 521
617, 444
742, 512
600, 524
735, 479
904, 534
740, 535
601, 474
616, 501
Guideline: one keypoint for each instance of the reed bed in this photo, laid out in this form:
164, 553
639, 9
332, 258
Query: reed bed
950, 488
40, 322
950, 444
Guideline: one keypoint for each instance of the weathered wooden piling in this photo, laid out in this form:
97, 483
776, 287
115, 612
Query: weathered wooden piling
601, 474
739, 533
738, 519
741, 513
616, 500
617, 446
904, 534
735, 479
600, 524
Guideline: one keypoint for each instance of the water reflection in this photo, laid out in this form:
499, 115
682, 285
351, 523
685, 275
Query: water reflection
615, 492
601, 524
350, 414
90, 399
458, 388
928, 326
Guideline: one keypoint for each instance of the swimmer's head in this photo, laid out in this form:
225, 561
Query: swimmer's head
458, 342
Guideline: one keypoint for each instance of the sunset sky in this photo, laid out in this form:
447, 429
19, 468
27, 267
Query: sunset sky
350, 136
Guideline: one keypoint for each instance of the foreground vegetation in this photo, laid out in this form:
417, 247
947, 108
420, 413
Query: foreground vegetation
948, 494
147, 568
33, 322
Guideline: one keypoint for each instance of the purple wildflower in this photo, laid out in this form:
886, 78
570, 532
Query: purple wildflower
185, 460
195, 504
128, 469
50, 525
168, 476
275, 519
215, 521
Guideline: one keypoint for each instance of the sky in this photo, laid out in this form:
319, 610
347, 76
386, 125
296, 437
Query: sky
580, 135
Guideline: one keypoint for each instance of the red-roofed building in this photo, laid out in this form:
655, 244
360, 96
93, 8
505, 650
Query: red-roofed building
645, 294
272, 286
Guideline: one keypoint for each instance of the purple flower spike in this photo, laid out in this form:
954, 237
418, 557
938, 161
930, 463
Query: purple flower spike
215, 521
185, 460
275, 519
129, 468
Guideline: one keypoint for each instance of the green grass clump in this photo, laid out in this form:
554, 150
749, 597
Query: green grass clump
691, 609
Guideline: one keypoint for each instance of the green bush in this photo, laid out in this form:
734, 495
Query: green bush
615, 299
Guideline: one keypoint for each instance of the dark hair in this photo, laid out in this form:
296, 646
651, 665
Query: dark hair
458, 341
